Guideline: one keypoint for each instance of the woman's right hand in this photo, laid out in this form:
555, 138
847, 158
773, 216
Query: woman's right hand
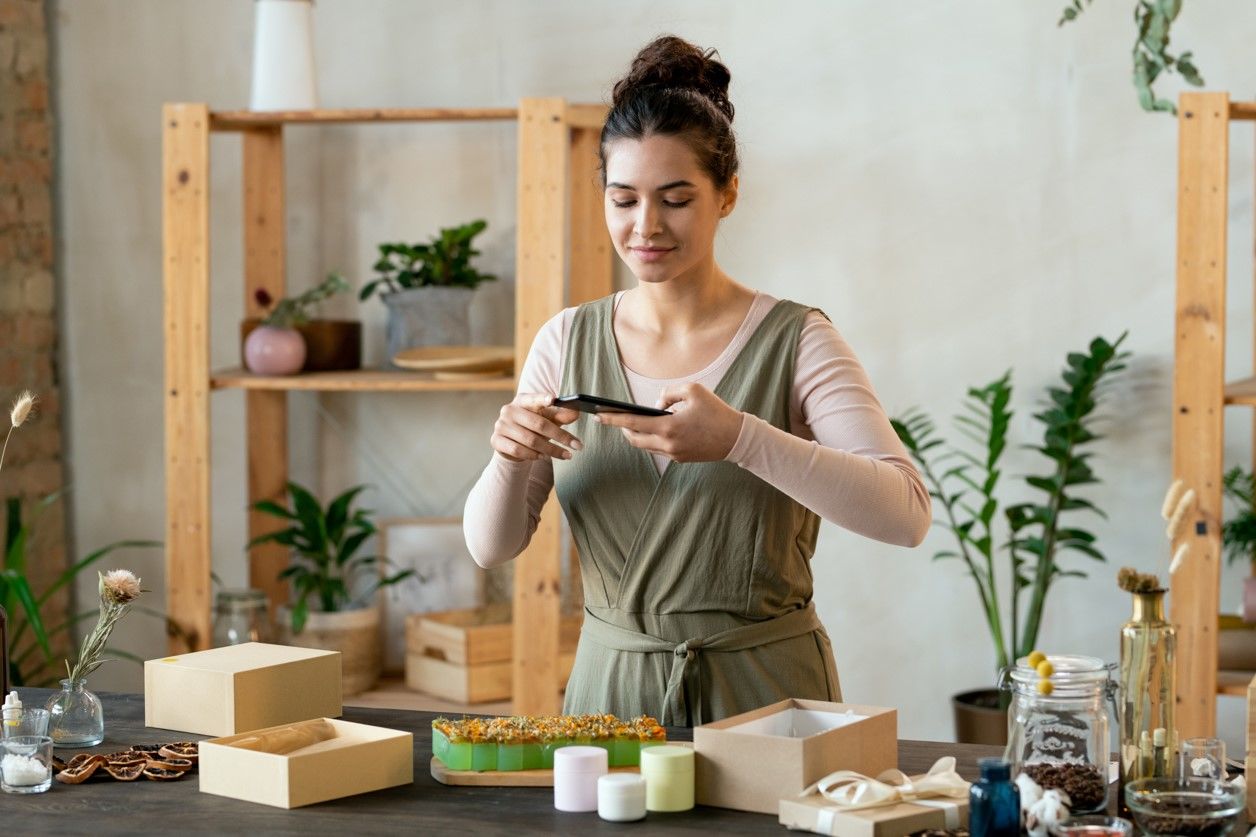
528, 427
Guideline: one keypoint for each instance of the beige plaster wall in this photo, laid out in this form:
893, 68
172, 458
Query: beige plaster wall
962, 187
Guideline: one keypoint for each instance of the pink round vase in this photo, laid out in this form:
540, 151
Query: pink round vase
274, 351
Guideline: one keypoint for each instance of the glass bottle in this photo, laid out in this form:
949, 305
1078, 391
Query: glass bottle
1148, 691
75, 716
1061, 739
993, 801
240, 616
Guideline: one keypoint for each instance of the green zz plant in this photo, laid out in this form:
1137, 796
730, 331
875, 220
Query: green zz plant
325, 566
965, 486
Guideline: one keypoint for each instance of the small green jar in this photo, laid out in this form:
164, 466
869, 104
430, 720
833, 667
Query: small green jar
668, 772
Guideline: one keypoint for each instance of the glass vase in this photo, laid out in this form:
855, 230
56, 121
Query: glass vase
76, 718
1148, 691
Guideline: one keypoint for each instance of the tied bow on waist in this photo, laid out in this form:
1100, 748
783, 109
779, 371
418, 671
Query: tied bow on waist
850, 791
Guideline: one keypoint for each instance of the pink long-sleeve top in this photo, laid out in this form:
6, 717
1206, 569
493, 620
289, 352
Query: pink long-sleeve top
840, 457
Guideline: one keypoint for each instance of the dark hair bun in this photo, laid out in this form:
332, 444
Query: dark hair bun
674, 62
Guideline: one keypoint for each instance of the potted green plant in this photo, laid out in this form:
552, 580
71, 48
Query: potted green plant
1034, 535
428, 288
333, 586
1236, 636
329, 344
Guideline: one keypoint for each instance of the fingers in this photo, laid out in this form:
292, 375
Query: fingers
527, 444
675, 395
641, 424
544, 420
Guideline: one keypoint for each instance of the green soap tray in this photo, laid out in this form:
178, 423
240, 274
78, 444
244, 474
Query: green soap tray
620, 752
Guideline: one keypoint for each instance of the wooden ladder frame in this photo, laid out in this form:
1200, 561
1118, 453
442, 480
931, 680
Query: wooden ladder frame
1200, 393
563, 257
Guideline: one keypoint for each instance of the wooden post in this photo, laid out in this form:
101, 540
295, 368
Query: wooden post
592, 274
1198, 397
185, 245
266, 412
541, 273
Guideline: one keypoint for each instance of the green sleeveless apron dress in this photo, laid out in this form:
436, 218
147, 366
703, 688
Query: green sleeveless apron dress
697, 582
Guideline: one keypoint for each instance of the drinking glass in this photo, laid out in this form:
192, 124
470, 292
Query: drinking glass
26, 764
25, 721
1202, 757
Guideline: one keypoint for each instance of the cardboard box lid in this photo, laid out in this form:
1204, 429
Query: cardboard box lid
233, 659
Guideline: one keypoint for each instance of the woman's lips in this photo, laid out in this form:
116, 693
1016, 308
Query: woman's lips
651, 254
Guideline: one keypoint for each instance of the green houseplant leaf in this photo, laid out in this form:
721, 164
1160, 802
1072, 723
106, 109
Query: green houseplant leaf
1037, 533
324, 564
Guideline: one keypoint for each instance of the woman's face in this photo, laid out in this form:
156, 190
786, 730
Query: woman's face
661, 207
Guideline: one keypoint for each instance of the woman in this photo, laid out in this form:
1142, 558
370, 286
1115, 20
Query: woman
695, 530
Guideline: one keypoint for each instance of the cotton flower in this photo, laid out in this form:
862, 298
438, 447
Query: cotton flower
1051, 810
119, 587
1030, 792
21, 409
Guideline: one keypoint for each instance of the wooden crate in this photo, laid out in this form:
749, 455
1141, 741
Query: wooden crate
465, 655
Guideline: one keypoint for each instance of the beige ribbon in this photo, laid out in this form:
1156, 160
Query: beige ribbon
850, 791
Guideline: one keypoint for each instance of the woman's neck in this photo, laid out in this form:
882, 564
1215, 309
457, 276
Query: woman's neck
686, 304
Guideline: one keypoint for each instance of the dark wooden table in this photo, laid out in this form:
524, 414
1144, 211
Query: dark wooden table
426, 807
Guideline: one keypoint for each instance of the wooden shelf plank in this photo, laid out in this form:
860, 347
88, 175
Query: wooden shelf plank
1234, 683
243, 120
357, 380
1242, 391
1243, 110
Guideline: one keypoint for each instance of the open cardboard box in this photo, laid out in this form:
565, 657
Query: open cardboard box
357, 759
237, 688
751, 761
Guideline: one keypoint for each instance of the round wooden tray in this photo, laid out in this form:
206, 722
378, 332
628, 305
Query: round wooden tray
457, 359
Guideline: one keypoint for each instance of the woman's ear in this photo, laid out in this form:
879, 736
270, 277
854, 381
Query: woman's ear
729, 198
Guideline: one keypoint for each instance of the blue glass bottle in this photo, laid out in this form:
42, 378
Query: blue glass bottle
993, 801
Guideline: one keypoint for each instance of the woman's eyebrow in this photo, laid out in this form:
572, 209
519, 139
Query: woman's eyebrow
675, 184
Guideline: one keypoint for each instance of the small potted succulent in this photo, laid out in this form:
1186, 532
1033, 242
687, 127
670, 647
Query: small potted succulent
270, 344
333, 586
428, 288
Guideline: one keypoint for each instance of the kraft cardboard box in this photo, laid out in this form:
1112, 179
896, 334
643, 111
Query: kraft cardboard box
358, 759
751, 761
815, 814
238, 688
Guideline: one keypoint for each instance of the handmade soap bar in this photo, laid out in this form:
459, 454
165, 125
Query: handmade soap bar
529, 743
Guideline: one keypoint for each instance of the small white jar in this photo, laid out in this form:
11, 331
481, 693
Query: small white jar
576, 771
621, 797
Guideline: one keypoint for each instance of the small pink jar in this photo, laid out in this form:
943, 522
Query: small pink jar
576, 771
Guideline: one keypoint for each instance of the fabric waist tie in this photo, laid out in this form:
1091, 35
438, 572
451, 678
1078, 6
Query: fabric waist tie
684, 686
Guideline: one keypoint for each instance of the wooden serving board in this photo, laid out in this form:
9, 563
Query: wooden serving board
501, 778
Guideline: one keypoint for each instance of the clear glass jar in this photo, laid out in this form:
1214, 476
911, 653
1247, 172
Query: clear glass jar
240, 616
1061, 739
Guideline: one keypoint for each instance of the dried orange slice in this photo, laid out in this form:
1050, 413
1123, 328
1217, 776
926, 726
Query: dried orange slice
158, 774
181, 750
126, 772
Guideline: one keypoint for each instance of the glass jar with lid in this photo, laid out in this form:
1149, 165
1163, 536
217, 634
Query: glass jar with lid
240, 616
1060, 739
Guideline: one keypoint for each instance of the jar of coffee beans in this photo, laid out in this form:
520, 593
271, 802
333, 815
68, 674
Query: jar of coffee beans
1058, 734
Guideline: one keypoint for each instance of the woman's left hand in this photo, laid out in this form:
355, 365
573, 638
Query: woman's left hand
702, 428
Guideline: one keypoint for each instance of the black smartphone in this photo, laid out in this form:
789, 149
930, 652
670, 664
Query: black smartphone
597, 404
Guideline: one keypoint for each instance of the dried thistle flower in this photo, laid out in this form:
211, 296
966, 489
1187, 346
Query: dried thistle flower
18, 414
1132, 581
120, 586
117, 590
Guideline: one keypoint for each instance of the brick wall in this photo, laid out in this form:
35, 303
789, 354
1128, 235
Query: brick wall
28, 332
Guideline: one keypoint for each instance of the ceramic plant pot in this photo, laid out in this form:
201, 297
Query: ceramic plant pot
330, 345
432, 316
274, 351
980, 717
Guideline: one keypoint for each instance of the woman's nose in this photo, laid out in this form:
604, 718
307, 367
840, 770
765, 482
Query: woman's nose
647, 222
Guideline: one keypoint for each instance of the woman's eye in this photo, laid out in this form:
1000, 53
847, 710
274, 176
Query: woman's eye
623, 204
676, 204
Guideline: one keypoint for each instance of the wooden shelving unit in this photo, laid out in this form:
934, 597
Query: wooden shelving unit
563, 257
1200, 395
